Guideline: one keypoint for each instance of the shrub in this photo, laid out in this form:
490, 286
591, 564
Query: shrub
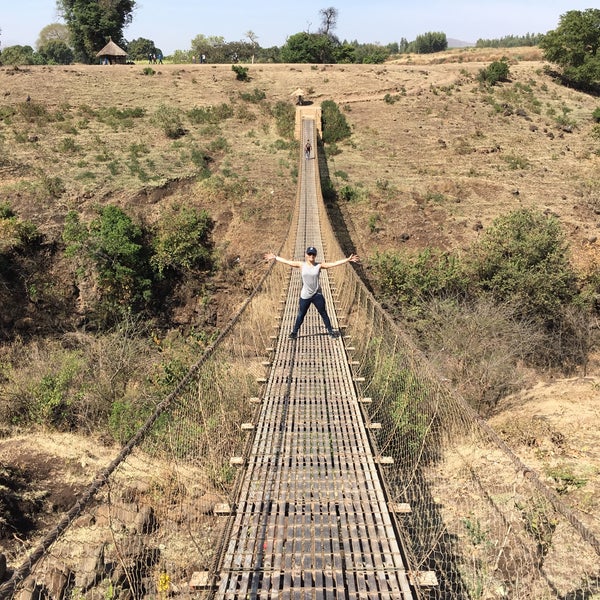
596, 115
15, 234
494, 72
349, 193
241, 73
255, 97
169, 120
183, 242
522, 260
285, 118
335, 126
110, 250
210, 114
477, 345
408, 281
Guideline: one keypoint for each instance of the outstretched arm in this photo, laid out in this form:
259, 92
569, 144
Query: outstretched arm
343, 261
285, 261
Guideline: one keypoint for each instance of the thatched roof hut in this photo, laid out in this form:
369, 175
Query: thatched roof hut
111, 53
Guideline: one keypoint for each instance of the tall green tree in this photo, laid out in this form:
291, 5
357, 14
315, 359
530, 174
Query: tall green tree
141, 48
92, 23
430, 42
308, 48
574, 45
211, 46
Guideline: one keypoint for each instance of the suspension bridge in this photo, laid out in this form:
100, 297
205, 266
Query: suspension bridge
321, 468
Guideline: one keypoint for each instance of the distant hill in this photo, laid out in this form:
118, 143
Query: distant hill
452, 43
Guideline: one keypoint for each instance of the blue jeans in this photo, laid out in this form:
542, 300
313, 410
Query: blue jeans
319, 301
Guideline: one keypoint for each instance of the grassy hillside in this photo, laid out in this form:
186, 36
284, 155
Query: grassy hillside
433, 159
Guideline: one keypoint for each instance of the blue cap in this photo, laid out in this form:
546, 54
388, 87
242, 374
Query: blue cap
311, 250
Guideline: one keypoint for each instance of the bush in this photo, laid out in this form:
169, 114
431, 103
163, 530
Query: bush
409, 281
15, 234
183, 242
522, 260
285, 118
335, 126
56, 52
596, 115
254, 97
495, 72
110, 251
169, 120
241, 73
210, 114
477, 345
19, 56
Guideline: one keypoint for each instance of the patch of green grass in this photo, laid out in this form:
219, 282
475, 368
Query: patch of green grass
68, 146
515, 162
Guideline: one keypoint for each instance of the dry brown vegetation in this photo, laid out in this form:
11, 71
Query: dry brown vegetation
434, 158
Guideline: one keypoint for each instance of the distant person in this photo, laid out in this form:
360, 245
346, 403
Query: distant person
307, 149
203, 58
160, 57
311, 288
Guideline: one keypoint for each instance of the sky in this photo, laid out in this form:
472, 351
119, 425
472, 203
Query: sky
172, 24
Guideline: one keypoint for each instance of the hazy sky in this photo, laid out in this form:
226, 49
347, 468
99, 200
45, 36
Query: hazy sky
172, 24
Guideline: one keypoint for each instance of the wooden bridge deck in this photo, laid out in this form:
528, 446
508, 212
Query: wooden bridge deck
311, 520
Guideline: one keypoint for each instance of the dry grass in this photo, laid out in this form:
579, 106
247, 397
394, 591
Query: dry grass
433, 164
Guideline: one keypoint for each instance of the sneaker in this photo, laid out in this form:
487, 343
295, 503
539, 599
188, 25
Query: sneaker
293, 335
333, 333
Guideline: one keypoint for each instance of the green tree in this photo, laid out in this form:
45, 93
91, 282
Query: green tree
370, 54
308, 48
92, 24
430, 42
574, 45
20, 55
56, 52
210, 46
140, 48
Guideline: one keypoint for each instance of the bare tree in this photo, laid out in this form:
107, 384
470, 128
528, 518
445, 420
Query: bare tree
328, 20
253, 40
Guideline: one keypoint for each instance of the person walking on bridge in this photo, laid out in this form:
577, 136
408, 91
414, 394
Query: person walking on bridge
311, 293
307, 149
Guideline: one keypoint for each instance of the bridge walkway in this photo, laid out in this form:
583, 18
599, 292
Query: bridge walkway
311, 520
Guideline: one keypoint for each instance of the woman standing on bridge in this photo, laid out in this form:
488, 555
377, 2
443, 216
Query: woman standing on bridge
311, 288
